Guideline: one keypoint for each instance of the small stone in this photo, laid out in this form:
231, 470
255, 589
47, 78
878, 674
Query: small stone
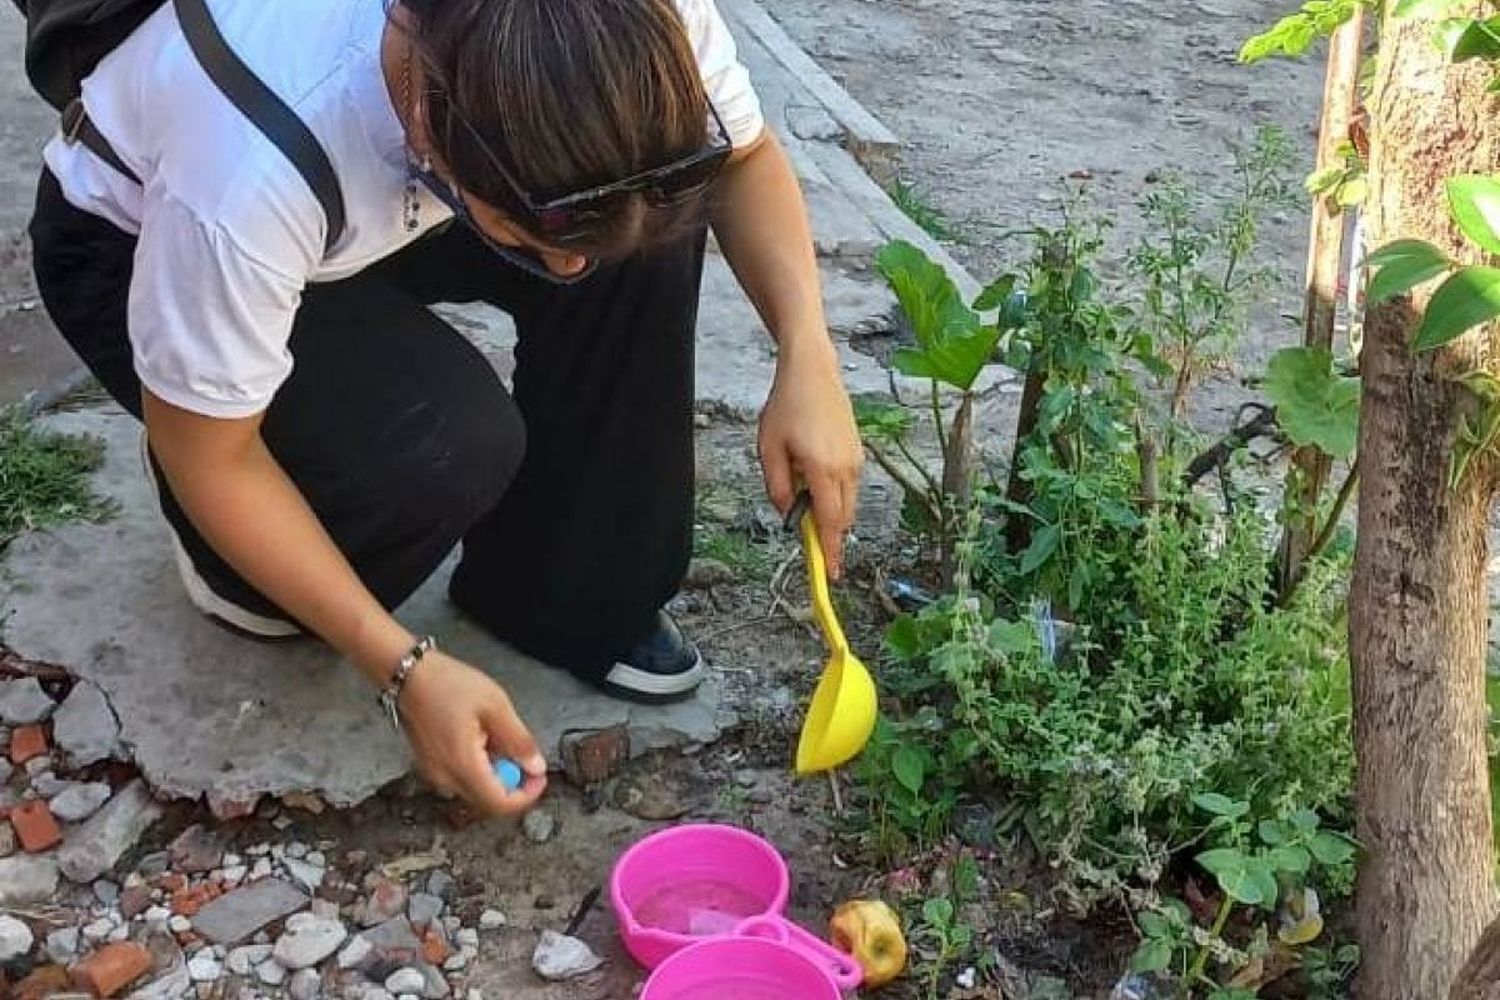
538, 826
544, 901
306, 801
26, 880
559, 958
243, 960
50, 786
235, 916
93, 848
423, 909
305, 985
387, 899
317, 859
235, 873
441, 885
231, 859
434, 985
474, 994
310, 877
491, 920
258, 850
7, 839
355, 952
467, 938
706, 574
456, 962
153, 864
307, 942
261, 869
394, 942
134, 900
196, 850
296, 849
120, 933
157, 920
281, 822
405, 981
965, 979
15, 938
746, 779
325, 908
78, 802
179, 924
24, 702
85, 727
106, 892
205, 968
98, 930
38, 767
271, 973
62, 945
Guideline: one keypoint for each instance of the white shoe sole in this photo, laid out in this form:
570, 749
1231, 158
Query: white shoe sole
198, 590
643, 683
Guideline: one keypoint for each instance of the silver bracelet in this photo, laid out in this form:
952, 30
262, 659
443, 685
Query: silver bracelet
390, 696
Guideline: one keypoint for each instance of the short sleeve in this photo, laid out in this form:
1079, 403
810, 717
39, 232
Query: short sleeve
209, 323
724, 76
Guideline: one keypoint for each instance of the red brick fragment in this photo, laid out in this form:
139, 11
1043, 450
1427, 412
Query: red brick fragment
112, 968
44, 982
435, 950
35, 828
27, 742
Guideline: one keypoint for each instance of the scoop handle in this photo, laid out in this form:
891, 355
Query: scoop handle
841, 967
817, 583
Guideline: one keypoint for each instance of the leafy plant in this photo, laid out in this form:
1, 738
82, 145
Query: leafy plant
1295, 33
953, 342
946, 934
933, 220
1264, 868
912, 781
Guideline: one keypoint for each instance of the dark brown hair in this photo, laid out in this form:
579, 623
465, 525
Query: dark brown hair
569, 94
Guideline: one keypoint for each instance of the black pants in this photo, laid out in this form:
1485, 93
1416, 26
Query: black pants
573, 498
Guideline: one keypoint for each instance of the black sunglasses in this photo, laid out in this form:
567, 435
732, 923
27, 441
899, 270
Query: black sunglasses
570, 217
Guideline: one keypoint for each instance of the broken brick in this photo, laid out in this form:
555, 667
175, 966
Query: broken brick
435, 950
26, 743
112, 968
44, 982
35, 828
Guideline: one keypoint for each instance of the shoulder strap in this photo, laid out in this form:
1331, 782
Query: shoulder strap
265, 110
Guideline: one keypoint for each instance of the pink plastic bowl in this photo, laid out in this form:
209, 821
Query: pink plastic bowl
739, 968
690, 883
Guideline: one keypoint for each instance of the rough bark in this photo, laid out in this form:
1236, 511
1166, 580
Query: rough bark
1480, 978
1418, 605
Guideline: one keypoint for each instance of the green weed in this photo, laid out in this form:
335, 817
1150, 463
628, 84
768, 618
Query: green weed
914, 204
44, 477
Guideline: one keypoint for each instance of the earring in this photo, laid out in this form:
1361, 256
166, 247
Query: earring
412, 210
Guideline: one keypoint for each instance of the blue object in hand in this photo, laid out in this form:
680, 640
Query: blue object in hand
509, 774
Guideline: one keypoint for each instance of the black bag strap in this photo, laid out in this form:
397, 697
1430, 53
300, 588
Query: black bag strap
265, 110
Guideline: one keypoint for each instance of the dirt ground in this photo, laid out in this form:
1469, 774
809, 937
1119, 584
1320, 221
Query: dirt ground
1004, 107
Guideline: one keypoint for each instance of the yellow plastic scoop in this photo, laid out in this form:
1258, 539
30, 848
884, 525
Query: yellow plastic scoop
842, 714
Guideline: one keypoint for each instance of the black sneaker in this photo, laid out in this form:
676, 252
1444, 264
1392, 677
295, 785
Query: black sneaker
663, 667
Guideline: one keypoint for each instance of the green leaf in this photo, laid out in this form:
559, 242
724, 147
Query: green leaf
910, 768
1043, 544
995, 294
1264, 879
1153, 955
1314, 406
1479, 40
1231, 869
1011, 637
1353, 191
1271, 832
1154, 924
1331, 848
1475, 203
1304, 819
938, 912
882, 421
1220, 805
1402, 266
1291, 858
1469, 297
904, 639
953, 344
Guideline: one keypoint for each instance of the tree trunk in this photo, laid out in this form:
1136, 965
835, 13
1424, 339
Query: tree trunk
1418, 604
1480, 978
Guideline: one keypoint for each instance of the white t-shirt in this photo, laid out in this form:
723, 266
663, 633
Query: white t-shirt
229, 232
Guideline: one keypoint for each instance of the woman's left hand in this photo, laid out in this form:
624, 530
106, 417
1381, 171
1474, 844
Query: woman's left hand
808, 435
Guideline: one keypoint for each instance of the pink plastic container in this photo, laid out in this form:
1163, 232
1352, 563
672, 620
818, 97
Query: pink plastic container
735, 968
703, 882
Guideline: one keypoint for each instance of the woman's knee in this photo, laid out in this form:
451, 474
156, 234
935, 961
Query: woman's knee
460, 455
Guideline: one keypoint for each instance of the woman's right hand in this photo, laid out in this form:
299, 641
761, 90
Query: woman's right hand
459, 721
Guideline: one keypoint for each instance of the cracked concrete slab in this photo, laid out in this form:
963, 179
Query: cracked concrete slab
203, 710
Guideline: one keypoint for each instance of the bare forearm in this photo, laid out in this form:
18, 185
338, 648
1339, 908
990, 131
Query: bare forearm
761, 224
252, 514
